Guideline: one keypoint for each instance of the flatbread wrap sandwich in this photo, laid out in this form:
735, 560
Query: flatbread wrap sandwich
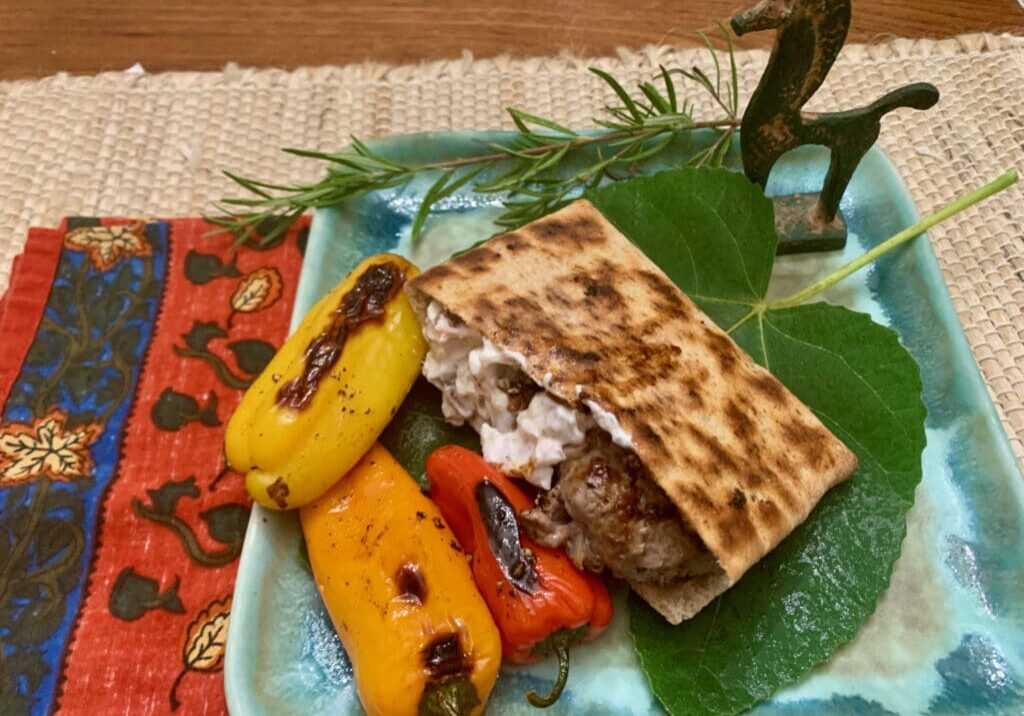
663, 452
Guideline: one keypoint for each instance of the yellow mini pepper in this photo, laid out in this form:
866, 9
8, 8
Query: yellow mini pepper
401, 595
331, 389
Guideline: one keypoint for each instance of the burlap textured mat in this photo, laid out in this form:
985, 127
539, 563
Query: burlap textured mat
123, 144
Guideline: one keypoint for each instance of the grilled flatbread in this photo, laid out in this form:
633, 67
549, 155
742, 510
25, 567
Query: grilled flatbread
742, 459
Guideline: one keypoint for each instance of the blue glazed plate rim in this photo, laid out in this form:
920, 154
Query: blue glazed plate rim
240, 668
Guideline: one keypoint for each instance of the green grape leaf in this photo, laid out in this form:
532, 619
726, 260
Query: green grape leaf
712, 232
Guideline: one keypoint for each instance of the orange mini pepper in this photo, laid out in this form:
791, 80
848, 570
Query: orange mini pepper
540, 601
421, 640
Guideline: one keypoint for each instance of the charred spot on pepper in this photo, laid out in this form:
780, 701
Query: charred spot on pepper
438, 523
278, 492
444, 657
499, 518
412, 586
364, 302
366, 533
518, 570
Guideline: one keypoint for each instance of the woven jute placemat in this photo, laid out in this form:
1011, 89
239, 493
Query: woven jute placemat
136, 144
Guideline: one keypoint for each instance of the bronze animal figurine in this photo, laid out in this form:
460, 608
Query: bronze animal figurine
809, 35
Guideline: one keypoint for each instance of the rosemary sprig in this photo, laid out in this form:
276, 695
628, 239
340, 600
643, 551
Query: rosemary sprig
538, 170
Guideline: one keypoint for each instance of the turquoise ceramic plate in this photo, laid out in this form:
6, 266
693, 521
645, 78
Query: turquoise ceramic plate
948, 638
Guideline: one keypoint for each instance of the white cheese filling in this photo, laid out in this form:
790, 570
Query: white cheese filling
610, 424
470, 372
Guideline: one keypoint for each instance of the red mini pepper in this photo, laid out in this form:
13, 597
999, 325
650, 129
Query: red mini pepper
541, 602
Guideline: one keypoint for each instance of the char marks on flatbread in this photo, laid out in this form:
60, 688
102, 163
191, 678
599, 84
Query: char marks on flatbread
741, 457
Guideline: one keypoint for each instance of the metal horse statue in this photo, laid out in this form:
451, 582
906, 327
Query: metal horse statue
809, 35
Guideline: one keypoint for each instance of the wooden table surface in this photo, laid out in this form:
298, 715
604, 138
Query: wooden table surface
86, 36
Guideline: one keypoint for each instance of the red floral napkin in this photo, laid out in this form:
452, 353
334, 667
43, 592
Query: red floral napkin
126, 347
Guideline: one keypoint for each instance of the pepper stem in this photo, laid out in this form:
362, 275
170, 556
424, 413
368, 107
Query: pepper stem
561, 649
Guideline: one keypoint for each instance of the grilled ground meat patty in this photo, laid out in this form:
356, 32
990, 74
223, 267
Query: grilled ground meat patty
605, 511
